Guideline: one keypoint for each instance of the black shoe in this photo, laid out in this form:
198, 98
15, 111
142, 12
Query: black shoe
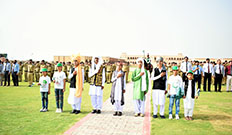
119, 113
73, 111
94, 111
78, 111
98, 111
155, 116
162, 116
115, 114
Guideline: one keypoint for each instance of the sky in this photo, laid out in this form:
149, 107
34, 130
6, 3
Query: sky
40, 29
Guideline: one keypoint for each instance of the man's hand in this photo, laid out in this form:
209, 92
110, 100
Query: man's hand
123, 91
196, 97
75, 72
119, 75
165, 92
184, 97
48, 92
102, 87
163, 74
141, 74
54, 81
38, 84
64, 90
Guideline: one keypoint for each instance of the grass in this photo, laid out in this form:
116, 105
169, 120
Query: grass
19, 113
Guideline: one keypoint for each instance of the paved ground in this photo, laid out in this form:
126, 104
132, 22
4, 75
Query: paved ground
107, 124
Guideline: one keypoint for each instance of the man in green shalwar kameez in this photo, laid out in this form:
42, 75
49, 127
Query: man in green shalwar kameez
140, 88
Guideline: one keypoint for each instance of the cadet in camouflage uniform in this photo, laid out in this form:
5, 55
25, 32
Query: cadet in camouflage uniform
20, 71
25, 69
30, 72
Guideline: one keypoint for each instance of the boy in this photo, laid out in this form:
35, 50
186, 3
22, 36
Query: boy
118, 89
59, 78
44, 82
175, 91
189, 95
141, 84
76, 77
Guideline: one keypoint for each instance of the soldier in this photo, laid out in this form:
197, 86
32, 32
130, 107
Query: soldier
69, 67
126, 70
30, 72
25, 69
42, 65
53, 68
64, 69
86, 71
113, 67
108, 72
37, 70
49, 69
20, 71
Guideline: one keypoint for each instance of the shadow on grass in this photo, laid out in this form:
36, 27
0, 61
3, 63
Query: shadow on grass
211, 117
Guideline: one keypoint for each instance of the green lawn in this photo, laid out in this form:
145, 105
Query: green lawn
19, 113
212, 115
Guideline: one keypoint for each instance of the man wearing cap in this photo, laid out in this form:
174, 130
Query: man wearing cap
175, 91
229, 77
59, 79
76, 76
207, 73
30, 72
97, 81
37, 71
198, 73
159, 77
185, 67
219, 73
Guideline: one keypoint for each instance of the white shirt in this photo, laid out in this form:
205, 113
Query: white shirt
59, 78
183, 67
118, 86
205, 68
217, 70
44, 82
175, 83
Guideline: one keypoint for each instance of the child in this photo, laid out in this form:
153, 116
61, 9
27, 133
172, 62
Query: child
118, 89
189, 95
175, 91
141, 84
59, 78
44, 82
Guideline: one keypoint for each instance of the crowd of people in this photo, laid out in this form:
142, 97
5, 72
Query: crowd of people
173, 81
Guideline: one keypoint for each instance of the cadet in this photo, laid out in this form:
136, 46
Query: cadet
42, 65
126, 70
108, 72
25, 69
86, 72
37, 70
30, 72
20, 71
49, 69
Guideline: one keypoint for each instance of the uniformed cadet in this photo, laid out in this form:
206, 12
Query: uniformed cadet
49, 69
69, 67
55, 69
64, 69
42, 65
37, 71
30, 72
25, 69
20, 71
109, 70
86, 71
126, 70
113, 67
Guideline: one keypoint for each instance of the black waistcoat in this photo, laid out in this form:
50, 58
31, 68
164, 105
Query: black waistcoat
159, 83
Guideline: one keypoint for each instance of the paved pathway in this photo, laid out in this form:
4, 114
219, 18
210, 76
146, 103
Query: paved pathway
107, 124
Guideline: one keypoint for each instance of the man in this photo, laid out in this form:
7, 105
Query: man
37, 71
126, 70
86, 72
108, 73
69, 67
219, 73
49, 70
1, 72
15, 73
229, 77
159, 77
97, 81
148, 60
76, 76
30, 72
25, 69
42, 65
7, 71
185, 67
20, 71
207, 73
198, 73
64, 69
140, 88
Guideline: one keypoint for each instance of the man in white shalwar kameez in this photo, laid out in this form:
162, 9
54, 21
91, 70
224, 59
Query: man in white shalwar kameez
97, 81
159, 77
118, 89
76, 76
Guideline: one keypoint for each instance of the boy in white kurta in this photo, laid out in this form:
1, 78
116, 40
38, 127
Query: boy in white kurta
76, 77
190, 94
97, 81
118, 89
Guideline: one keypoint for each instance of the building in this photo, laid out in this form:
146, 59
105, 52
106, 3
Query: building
106, 59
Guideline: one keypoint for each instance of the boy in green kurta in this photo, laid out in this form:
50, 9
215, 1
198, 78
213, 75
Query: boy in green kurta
140, 88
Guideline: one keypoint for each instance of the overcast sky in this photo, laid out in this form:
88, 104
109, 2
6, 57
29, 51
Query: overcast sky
40, 29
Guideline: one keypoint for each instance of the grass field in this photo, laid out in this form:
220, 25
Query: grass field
19, 113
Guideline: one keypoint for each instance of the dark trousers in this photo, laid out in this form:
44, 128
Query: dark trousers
59, 98
15, 79
197, 78
44, 97
7, 78
208, 77
184, 77
218, 81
